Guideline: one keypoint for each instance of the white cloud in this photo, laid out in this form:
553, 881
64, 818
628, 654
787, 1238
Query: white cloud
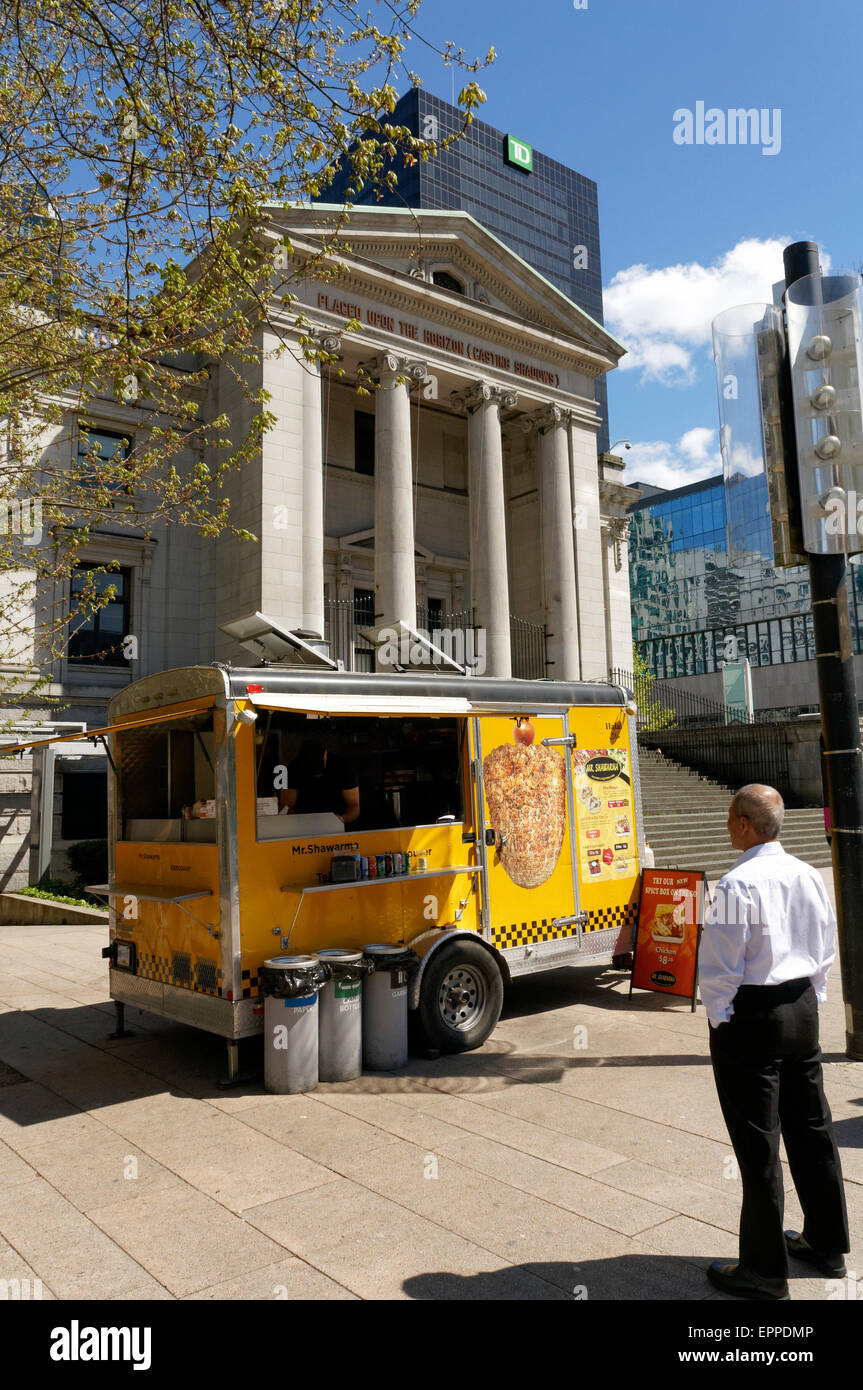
697, 445
694, 456
663, 315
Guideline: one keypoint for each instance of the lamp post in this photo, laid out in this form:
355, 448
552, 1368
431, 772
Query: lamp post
837, 687
790, 401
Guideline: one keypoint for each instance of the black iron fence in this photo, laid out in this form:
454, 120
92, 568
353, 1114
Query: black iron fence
700, 734
663, 705
734, 754
528, 645
456, 633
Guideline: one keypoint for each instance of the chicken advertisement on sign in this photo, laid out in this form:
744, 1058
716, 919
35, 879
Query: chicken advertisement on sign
670, 916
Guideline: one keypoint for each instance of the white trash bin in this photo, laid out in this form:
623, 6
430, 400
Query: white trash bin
385, 1007
341, 1015
290, 987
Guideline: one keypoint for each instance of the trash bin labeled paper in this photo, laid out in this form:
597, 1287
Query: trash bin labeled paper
385, 1007
341, 1015
290, 987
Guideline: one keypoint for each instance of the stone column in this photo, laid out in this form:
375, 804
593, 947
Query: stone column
395, 578
615, 576
313, 492
556, 523
489, 583
587, 511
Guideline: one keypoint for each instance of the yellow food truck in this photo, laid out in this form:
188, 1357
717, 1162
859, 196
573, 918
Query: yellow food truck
491, 825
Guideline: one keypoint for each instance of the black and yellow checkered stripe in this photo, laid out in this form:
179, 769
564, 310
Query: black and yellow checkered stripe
161, 968
251, 984
617, 915
155, 968
598, 919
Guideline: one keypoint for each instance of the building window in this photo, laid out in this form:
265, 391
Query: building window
364, 442
98, 637
107, 449
445, 281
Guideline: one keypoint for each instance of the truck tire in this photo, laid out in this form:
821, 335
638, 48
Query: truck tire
461, 996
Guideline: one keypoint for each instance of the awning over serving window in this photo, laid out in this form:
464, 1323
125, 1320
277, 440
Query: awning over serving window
132, 721
406, 705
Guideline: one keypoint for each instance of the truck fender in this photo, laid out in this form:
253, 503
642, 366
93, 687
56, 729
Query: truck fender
429, 941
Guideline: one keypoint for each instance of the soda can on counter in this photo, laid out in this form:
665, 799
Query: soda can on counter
373, 866
397, 862
382, 866
422, 863
389, 868
364, 865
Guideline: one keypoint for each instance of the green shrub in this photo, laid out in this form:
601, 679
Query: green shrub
89, 861
49, 892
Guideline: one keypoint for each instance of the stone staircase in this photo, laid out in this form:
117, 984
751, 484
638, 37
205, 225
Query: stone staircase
685, 816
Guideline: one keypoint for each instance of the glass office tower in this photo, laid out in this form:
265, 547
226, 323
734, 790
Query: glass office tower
546, 212
691, 592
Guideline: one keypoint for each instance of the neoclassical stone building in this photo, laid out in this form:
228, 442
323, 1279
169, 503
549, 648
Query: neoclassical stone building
459, 488
467, 482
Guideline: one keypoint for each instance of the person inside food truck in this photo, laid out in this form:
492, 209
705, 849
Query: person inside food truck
319, 780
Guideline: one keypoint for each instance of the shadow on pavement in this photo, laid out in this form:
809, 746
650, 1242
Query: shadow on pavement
625, 1277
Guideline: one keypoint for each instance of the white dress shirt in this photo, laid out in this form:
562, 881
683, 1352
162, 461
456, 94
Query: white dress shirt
770, 921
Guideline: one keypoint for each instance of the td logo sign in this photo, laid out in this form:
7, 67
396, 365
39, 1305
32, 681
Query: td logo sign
517, 152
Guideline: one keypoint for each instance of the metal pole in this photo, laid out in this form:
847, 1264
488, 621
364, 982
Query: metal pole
840, 724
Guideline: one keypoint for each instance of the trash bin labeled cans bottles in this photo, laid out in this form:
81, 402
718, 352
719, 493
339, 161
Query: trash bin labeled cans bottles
290, 987
385, 1007
341, 1015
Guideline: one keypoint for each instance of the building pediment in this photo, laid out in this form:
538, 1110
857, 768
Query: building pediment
395, 253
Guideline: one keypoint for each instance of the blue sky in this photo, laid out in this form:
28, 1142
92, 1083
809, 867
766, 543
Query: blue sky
685, 230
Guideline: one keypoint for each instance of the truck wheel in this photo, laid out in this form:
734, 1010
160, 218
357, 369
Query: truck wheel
461, 996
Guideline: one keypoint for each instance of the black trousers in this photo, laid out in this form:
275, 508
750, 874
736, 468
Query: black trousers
767, 1065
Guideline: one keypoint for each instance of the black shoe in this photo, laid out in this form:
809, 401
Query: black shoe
833, 1265
740, 1282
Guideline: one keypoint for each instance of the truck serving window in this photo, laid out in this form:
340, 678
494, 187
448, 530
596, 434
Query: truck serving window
408, 771
166, 782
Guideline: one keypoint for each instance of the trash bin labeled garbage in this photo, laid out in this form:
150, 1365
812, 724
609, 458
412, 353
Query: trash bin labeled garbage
340, 1032
290, 987
385, 1007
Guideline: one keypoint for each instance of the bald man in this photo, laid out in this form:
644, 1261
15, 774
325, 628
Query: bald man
767, 945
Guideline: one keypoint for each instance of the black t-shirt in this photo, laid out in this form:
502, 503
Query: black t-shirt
323, 793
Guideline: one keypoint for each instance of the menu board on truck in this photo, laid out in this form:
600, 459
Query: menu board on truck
670, 916
604, 814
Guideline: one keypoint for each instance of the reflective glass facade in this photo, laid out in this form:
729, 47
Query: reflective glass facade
542, 214
694, 605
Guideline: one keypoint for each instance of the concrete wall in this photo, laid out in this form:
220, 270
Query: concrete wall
15, 819
17, 910
792, 684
